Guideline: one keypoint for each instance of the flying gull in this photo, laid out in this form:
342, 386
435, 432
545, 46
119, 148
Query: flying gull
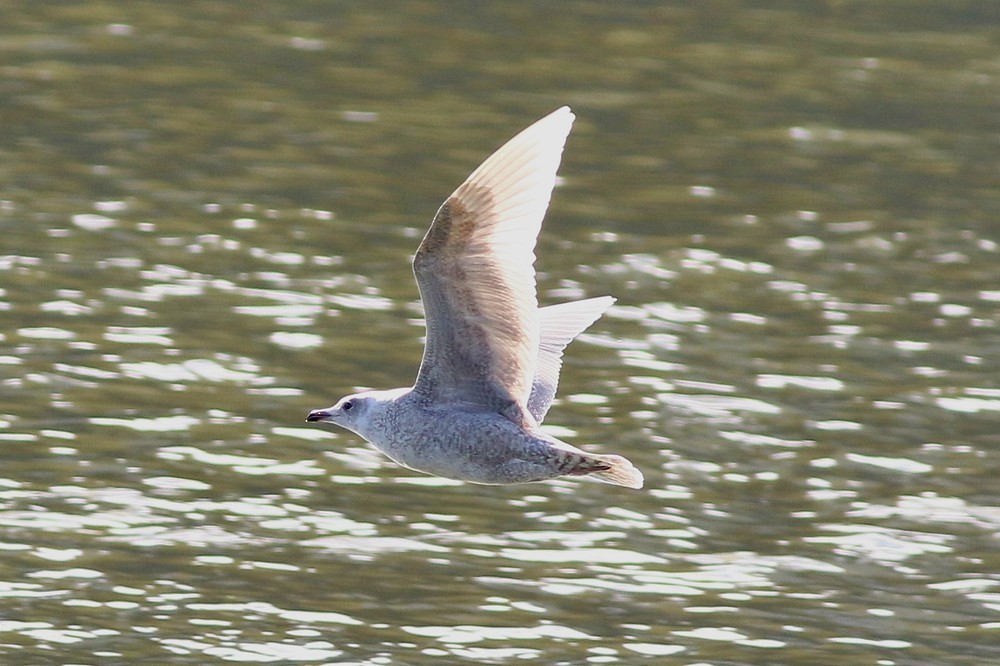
492, 356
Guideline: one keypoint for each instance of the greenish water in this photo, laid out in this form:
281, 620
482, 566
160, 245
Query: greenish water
206, 218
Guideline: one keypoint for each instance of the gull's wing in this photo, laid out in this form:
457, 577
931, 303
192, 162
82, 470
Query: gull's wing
476, 278
558, 325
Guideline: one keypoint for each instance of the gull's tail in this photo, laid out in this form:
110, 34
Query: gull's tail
617, 470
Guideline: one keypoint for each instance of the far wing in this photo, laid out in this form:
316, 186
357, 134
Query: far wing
559, 324
477, 280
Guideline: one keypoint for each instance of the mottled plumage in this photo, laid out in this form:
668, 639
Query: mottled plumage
492, 356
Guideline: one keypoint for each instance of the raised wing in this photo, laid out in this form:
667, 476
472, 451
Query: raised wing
477, 280
558, 325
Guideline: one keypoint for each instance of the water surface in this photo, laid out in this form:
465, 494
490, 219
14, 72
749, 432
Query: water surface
206, 221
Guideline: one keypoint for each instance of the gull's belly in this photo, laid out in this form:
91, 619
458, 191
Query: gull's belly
481, 447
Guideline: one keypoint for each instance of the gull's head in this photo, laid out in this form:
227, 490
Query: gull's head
350, 412
355, 412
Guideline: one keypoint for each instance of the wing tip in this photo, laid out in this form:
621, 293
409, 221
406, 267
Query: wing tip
564, 115
564, 110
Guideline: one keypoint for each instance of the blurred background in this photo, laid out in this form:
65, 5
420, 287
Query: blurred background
207, 212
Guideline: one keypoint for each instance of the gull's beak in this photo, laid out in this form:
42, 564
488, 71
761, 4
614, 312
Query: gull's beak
318, 415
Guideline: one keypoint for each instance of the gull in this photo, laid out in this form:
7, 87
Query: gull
492, 356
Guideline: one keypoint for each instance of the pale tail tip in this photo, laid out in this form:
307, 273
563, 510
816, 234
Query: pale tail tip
621, 473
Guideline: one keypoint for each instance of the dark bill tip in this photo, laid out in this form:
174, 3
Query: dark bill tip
318, 415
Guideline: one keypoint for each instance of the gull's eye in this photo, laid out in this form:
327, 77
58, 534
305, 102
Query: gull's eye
347, 406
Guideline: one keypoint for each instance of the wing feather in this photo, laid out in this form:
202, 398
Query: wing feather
477, 280
558, 325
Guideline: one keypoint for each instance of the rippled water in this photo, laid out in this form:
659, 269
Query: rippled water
206, 220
